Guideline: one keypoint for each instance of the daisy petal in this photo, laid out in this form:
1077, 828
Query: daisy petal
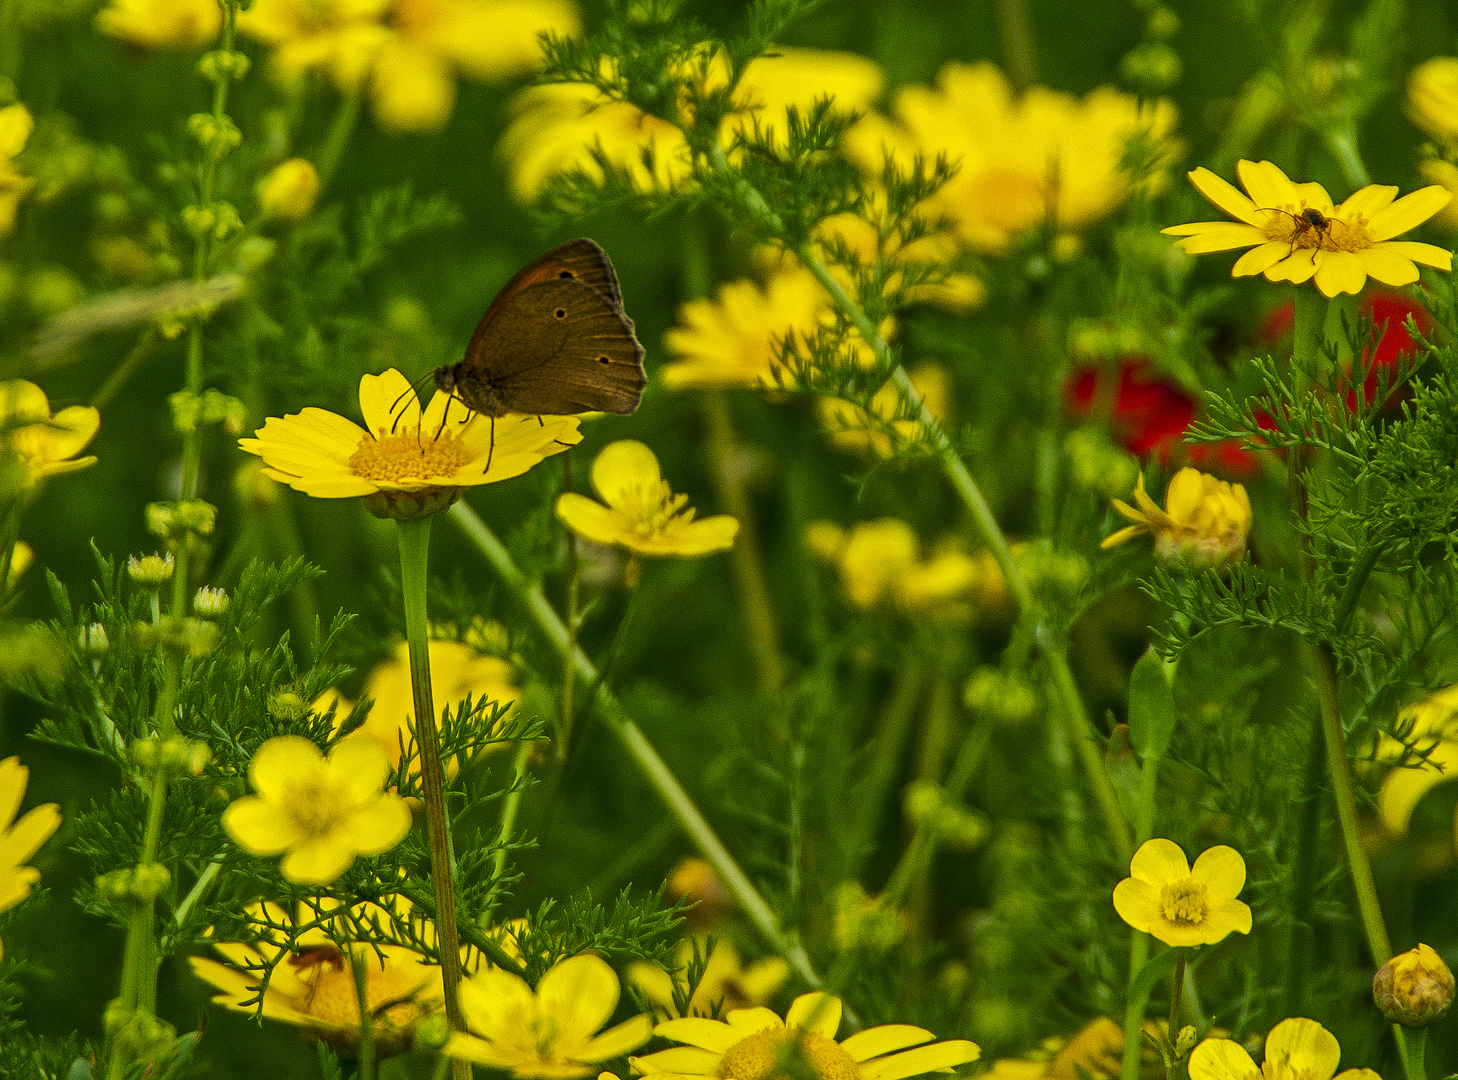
1297, 268
1409, 212
1368, 203
1269, 187
1427, 254
942, 1055
873, 1042
1388, 267
818, 1012
712, 1035
1259, 259
1225, 195
1339, 272
688, 1060
1221, 236
752, 1021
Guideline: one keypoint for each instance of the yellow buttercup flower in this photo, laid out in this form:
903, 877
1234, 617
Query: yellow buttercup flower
1023, 160
322, 811
289, 190
1203, 527
746, 1045
1432, 98
642, 512
15, 128
1178, 905
19, 840
160, 24
404, 459
1296, 234
340, 37
725, 980
851, 429
43, 445
552, 1033
1296, 1049
314, 988
1431, 727
880, 564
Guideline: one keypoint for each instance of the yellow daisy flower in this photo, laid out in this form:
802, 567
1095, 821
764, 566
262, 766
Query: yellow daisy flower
403, 459
15, 128
1164, 897
1204, 526
340, 37
746, 1044
1296, 1049
1095, 1051
959, 291
314, 987
19, 840
642, 512
1023, 159
1295, 233
160, 24
725, 980
1432, 98
44, 445
551, 1033
879, 562
851, 429
1445, 175
322, 811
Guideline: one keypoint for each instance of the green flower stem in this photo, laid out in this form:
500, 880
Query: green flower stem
1017, 43
885, 759
574, 617
1134, 1009
1341, 143
1176, 984
414, 554
1414, 1041
690, 820
366, 1063
512, 805
335, 142
1303, 876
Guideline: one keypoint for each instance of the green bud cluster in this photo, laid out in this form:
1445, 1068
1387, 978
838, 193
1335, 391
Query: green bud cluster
195, 637
1097, 465
147, 1037
150, 571
171, 520
217, 135
928, 805
221, 65
217, 221
191, 411
174, 755
1006, 696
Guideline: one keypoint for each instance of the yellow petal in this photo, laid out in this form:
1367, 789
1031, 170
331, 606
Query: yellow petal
1269, 187
617, 1040
712, 1035
873, 1042
1339, 272
684, 1060
381, 823
702, 537
1222, 870
386, 398
1404, 788
1409, 212
279, 762
818, 1012
1368, 202
1221, 1059
1159, 861
1219, 236
411, 88
25, 837
1226, 196
259, 827
589, 519
1127, 533
751, 1021
13, 778
1296, 268
623, 468
1385, 265
1304, 1046
317, 862
1137, 903
1259, 259
942, 1055
1223, 919
1427, 254
579, 993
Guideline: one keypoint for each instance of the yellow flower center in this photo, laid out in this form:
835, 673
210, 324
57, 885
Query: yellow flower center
1185, 902
314, 805
407, 457
652, 510
1306, 227
331, 997
1007, 199
756, 1057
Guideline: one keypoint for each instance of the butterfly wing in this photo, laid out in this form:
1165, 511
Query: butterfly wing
577, 260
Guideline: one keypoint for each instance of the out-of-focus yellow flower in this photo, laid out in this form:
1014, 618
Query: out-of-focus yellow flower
41, 444
21, 556
1296, 1049
1023, 160
1295, 233
15, 128
1430, 726
552, 1033
340, 37
642, 512
19, 840
289, 190
1162, 896
1445, 174
693, 881
880, 564
161, 24
1432, 98
402, 462
314, 987
725, 980
851, 429
863, 921
322, 811
958, 292
1096, 1050
558, 127
1203, 527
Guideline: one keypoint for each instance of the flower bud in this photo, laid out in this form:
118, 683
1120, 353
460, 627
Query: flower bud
287, 706
1414, 988
221, 65
92, 640
211, 603
289, 191
150, 571
1007, 697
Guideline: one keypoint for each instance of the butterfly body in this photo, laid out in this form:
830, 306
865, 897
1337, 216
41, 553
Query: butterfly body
554, 342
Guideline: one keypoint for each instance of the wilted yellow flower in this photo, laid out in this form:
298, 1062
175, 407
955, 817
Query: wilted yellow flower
19, 840
642, 512
1414, 988
404, 463
551, 1034
851, 429
160, 24
725, 980
1023, 160
1432, 98
340, 37
43, 445
1178, 905
1296, 1049
322, 811
747, 1042
1204, 526
15, 129
879, 563
289, 190
1295, 233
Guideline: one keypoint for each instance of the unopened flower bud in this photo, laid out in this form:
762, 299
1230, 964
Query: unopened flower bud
1414, 988
92, 640
863, 921
1153, 67
1007, 697
1185, 1042
211, 603
149, 880
220, 65
287, 706
289, 191
150, 571
432, 1032
198, 636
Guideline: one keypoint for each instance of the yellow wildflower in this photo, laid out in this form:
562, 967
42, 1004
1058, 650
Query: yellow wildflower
1204, 526
726, 981
21, 556
1430, 729
43, 445
322, 811
1023, 159
340, 37
746, 1044
1414, 988
15, 128
879, 563
1178, 905
1296, 1049
1432, 98
552, 1033
860, 237
161, 24
642, 512
1095, 1051
19, 840
403, 461
1295, 233
1445, 174
289, 190
693, 881
851, 429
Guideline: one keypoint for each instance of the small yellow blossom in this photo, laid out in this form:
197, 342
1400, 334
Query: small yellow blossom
322, 811
725, 980
860, 237
15, 128
1432, 98
642, 512
693, 881
402, 459
19, 840
314, 988
21, 556
1296, 1049
746, 1044
1430, 729
43, 445
161, 24
1023, 160
1203, 527
289, 190
1178, 905
1296, 234
851, 429
1414, 988
879, 564
341, 37
551, 1034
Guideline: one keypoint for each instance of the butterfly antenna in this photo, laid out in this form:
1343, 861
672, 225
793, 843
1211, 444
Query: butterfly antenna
445, 413
411, 389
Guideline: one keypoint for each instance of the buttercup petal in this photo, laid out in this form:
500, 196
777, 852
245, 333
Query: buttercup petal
580, 993
1222, 870
1225, 918
1137, 903
380, 824
317, 861
1159, 861
359, 767
279, 762
622, 468
618, 1040
1303, 1046
590, 520
704, 536
1221, 1059
260, 827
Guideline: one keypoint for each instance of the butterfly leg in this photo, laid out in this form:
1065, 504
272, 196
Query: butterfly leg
490, 453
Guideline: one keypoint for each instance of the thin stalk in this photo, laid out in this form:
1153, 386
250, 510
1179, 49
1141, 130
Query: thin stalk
414, 553
1303, 876
340, 130
512, 805
574, 576
1177, 983
1134, 1008
1415, 1041
1342, 145
1016, 35
124, 371
885, 758
366, 1071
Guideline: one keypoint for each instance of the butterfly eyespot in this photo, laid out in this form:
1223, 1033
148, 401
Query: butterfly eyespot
561, 313
567, 273
603, 360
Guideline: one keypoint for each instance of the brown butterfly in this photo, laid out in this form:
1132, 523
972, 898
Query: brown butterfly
554, 342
